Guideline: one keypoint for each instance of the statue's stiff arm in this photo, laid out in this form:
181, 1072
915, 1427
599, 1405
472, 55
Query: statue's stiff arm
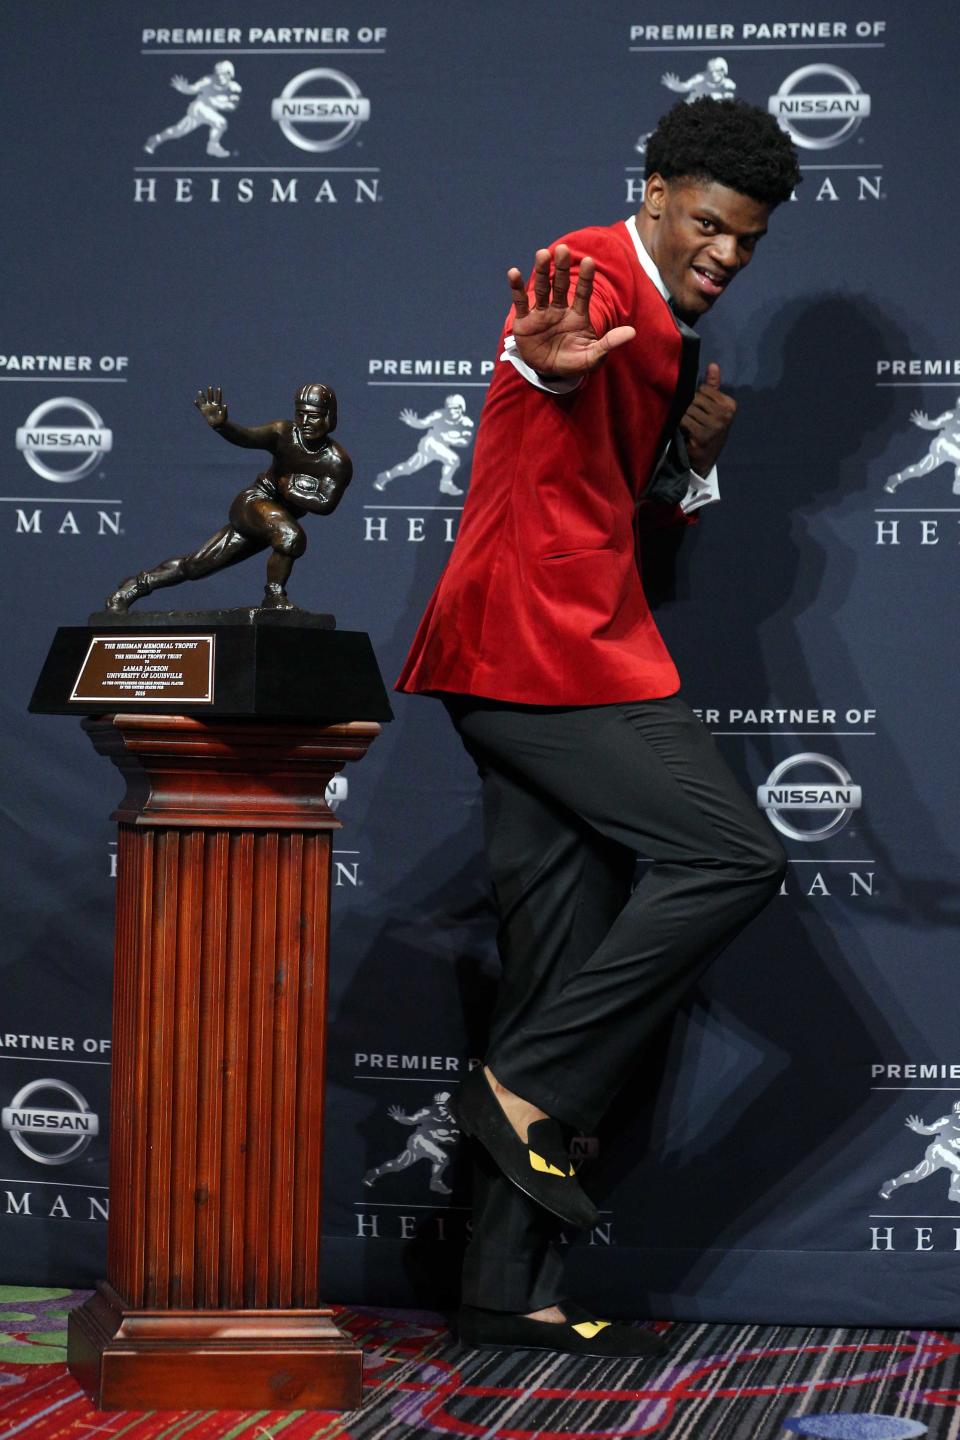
251, 437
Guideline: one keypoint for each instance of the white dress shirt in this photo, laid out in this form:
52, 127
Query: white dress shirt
701, 489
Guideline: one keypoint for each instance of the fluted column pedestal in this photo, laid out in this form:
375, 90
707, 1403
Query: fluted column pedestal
216, 1117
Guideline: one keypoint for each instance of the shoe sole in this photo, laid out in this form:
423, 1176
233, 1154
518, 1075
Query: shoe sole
558, 1350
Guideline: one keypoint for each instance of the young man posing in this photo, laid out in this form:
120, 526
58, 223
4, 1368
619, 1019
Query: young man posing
540, 640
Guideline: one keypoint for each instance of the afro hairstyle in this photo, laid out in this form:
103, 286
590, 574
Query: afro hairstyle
726, 141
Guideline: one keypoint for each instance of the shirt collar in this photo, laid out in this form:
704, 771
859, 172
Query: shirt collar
644, 258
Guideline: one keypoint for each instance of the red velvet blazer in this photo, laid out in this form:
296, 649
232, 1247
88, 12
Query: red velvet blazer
541, 602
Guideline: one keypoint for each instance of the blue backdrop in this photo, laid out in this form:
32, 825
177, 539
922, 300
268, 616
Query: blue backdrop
351, 221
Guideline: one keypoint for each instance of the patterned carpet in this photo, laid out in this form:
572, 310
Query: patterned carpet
718, 1382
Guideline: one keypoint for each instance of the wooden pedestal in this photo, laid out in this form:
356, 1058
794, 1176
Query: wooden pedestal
216, 1113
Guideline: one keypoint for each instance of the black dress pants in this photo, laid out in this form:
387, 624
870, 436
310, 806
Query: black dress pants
590, 970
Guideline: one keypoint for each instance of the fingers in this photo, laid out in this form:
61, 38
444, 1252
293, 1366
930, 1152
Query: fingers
712, 377
709, 416
619, 335
598, 350
541, 279
695, 429
213, 395
707, 419
518, 292
711, 405
561, 277
710, 402
581, 296
544, 293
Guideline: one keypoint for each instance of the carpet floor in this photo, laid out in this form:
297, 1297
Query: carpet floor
718, 1382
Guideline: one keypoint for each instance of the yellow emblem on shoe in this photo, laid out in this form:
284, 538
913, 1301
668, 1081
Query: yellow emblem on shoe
589, 1328
537, 1162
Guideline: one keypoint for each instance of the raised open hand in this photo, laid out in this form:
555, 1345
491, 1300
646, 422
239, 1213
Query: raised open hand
409, 417
181, 83
920, 417
555, 338
913, 1122
211, 406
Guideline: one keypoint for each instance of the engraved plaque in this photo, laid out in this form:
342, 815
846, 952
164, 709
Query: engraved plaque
146, 670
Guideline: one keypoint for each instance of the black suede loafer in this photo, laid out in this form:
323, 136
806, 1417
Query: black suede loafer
582, 1334
541, 1168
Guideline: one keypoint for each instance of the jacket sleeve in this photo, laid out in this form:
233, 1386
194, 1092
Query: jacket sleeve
659, 505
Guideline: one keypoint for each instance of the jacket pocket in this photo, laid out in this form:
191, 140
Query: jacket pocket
577, 554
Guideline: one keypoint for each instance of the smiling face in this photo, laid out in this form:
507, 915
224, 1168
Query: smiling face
699, 235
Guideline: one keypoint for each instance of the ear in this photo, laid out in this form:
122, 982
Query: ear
655, 196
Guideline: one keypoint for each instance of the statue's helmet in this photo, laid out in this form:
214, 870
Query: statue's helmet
718, 67
441, 1097
320, 397
455, 402
224, 69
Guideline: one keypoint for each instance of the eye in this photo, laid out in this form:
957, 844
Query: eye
704, 222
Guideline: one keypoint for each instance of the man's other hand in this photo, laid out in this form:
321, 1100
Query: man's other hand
555, 338
707, 422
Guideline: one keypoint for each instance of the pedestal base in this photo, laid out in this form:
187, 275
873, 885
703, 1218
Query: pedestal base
127, 1359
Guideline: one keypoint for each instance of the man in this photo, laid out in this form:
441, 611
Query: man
540, 640
215, 94
308, 472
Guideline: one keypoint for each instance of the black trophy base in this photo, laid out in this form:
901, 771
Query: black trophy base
292, 665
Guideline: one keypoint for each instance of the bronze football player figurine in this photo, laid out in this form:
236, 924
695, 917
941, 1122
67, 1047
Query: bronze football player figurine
309, 472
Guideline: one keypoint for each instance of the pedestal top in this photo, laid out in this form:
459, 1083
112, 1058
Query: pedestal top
292, 619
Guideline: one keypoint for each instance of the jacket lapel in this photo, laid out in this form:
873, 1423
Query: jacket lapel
686, 377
